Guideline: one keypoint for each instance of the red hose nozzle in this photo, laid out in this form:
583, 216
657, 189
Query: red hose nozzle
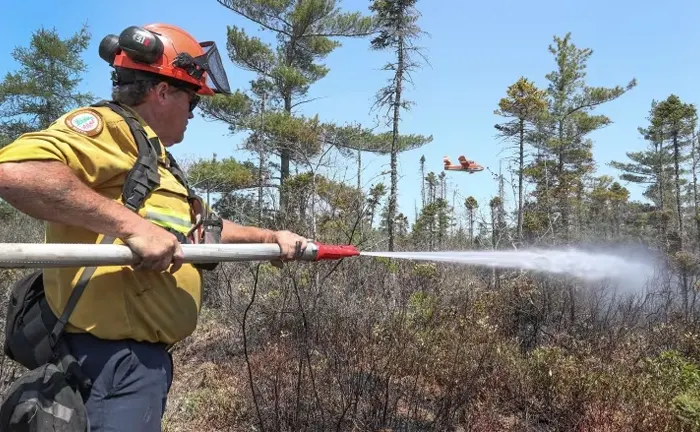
319, 251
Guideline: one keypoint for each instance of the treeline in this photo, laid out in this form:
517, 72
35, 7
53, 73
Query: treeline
377, 344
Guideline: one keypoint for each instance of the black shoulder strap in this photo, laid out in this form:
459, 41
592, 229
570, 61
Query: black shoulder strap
143, 177
141, 180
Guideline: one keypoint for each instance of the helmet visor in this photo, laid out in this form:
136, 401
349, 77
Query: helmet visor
209, 62
216, 75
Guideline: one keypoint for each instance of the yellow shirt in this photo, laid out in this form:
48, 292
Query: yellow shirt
118, 303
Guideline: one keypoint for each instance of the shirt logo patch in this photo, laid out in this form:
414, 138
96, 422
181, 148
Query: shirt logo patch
86, 122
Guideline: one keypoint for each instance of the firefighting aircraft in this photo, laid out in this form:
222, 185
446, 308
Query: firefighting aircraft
464, 165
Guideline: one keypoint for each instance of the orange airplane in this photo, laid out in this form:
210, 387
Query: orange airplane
464, 165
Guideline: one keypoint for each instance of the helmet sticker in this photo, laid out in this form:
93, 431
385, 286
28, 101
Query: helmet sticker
85, 121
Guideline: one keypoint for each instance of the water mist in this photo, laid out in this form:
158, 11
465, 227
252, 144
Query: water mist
629, 268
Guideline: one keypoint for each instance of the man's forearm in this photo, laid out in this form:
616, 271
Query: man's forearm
235, 233
51, 192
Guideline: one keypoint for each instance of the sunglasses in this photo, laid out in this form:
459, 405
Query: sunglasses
194, 97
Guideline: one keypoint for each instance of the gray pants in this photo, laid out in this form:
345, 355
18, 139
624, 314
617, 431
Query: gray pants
130, 382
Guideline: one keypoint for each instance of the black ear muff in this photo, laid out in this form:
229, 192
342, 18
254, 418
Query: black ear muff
141, 45
109, 47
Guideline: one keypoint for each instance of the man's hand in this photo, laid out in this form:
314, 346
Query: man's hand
288, 244
236, 233
157, 248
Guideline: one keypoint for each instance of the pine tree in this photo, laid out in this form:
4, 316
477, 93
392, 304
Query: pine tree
46, 84
570, 120
651, 167
396, 20
677, 121
525, 104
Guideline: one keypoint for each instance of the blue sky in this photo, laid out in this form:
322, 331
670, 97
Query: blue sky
475, 52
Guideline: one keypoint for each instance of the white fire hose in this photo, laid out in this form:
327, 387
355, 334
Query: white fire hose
38, 255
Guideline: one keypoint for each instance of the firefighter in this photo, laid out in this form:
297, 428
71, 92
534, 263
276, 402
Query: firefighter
76, 176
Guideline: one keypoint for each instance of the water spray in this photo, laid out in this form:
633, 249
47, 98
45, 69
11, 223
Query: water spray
574, 262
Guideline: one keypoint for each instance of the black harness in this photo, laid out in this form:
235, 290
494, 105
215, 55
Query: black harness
143, 178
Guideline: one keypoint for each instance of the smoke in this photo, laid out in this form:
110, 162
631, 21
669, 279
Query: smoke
628, 268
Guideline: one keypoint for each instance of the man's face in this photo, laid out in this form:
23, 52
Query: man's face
176, 105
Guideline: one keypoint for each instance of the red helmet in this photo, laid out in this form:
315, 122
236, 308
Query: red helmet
170, 53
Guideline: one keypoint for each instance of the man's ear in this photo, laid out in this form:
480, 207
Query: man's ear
162, 90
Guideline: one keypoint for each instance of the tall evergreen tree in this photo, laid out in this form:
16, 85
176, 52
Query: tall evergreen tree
46, 84
524, 104
677, 120
572, 102
651, 167
398, 30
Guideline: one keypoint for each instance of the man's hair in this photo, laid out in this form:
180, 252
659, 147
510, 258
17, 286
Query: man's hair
132, 94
